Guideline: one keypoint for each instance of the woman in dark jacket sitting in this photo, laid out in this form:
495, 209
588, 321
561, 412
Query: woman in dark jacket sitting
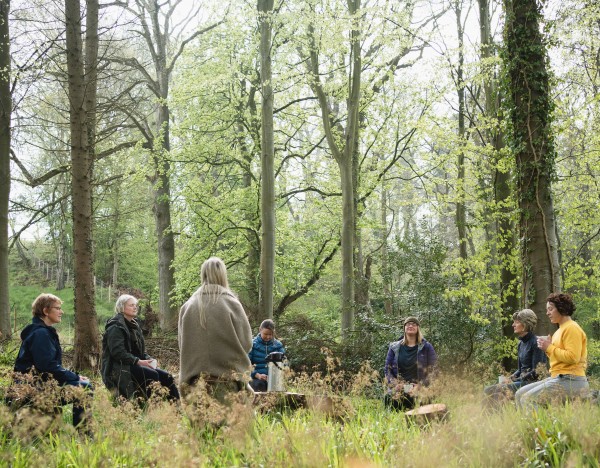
263, 344
41, 354
126, 366
409, 364
529, 358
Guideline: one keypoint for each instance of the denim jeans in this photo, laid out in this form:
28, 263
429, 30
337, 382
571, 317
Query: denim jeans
553, 389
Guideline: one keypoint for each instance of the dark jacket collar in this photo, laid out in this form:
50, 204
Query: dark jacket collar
35, 324
526, 337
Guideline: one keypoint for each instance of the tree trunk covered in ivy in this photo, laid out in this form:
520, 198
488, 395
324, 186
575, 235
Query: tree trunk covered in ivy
533, 148
5, 113
267, 198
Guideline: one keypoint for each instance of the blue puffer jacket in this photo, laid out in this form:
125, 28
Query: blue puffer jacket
260, 350
40, 348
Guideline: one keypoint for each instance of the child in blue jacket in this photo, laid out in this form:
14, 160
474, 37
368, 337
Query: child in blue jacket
263, 344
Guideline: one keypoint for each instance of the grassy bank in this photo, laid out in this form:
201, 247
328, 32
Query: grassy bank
21, 298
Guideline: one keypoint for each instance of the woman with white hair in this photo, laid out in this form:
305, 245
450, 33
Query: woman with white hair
529, 358
214, 335
126, 367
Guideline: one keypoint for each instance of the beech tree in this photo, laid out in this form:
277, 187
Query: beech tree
267, 205
164, 45
345, 80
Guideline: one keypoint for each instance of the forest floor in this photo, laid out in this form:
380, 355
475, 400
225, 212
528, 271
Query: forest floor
355, 430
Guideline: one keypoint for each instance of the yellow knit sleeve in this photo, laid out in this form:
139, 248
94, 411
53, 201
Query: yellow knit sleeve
570, 347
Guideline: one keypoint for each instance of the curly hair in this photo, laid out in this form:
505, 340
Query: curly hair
563, 303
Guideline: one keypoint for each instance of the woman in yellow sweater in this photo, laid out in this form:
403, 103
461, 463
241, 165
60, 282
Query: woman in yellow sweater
567, 353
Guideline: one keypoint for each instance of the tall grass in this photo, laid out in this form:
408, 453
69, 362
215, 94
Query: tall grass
362, 434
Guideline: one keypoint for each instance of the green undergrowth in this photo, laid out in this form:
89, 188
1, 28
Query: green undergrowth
357, 432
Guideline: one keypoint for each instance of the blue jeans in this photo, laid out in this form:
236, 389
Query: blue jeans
560, 388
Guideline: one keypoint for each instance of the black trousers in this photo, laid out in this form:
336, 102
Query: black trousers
144, 376
79, 413
259, 385
400, 401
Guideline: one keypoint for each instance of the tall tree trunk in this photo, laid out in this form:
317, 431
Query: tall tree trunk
504, 226
345, 166
156, 28
5, 115
161, 180
530, 113
162, 213
385, 269
86, 327
267, 199
461, 210
252, 271
342, 143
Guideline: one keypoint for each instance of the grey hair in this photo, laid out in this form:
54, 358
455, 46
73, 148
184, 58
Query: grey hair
121, 301
527, 317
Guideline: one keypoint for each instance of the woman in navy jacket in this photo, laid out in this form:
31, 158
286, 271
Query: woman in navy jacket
41, 354
529, 358
409, 364
263, 344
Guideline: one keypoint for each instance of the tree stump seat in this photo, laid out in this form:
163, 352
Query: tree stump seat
267, 401
427, 414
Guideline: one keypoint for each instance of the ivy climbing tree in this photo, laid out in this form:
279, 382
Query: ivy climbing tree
532, 144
